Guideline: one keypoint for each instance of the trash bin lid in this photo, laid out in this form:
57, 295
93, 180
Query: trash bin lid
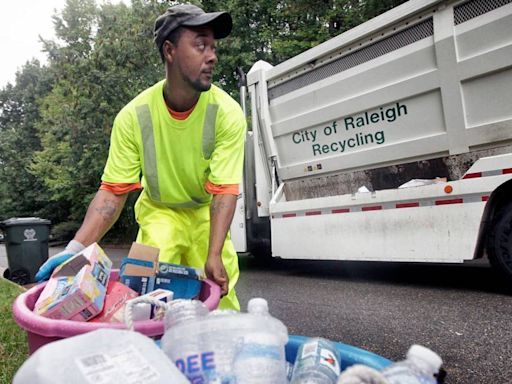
24, 221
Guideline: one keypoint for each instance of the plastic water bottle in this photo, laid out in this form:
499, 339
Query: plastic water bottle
182, 311
184, 352
289, 371
317, 362
419, 367
107, 356
217, 347
260, 358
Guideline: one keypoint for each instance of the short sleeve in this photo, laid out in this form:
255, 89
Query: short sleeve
123, 163
228, 156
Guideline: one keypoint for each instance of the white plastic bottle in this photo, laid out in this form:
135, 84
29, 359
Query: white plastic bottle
260, 358
317, 362
419, 367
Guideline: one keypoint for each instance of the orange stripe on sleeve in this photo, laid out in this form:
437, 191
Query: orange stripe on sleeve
225, 189
119, 188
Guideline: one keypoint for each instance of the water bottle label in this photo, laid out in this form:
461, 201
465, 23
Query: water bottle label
309, 349
201, 368
329, 360
317, 356
193, 366
250, 351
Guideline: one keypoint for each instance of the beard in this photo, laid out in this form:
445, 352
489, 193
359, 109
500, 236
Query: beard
199, 85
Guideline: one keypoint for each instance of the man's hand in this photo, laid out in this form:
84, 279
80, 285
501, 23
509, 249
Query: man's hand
45, 271
222, 209
214, 269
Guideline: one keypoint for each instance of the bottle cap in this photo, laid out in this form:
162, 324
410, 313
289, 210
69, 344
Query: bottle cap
433, 360
257, 305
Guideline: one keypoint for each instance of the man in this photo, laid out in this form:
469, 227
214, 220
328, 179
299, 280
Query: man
186, 137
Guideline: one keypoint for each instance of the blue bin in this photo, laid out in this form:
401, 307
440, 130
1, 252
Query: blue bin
349, 355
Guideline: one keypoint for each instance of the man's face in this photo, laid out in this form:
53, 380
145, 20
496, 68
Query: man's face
195, 57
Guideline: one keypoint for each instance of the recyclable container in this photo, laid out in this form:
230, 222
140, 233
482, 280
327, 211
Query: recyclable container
26, 243
349, 355
42, 330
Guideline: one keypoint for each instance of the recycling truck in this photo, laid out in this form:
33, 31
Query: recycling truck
389, 142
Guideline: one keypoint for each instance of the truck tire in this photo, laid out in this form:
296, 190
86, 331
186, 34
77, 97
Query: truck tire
499, 242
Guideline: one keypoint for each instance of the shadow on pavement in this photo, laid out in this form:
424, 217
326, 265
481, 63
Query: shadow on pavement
473, 275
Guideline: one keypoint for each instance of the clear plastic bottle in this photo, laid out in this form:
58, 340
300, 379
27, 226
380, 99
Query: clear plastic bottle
209, 349
419, 367
185, 352
289, 371
260, 358
317, 362
184, 310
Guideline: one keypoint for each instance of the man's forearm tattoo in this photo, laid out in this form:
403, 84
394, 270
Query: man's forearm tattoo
216, 205
107, 210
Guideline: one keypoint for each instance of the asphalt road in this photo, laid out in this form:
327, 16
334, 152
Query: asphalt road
462, 312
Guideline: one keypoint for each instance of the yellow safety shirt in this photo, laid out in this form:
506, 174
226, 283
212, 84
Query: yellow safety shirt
177, 157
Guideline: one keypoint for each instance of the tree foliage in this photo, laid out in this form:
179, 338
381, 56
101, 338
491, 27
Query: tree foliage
55, 121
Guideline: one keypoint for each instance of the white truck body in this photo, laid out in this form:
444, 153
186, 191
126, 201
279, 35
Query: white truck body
424, 88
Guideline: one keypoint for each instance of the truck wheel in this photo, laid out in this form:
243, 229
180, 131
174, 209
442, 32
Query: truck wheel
499, 242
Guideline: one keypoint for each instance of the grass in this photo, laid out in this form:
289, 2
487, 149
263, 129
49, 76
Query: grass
13, 340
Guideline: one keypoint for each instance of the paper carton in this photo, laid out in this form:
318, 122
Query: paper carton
113, 309
146, 311
142, 272
184, 281
77, 288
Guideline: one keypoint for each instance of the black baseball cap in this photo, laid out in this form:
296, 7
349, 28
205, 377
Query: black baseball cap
188, 15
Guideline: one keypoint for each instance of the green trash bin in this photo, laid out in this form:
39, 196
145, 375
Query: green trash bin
26, 243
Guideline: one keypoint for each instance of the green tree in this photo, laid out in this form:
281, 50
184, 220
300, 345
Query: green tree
101, 64
55, 122
21, 193
276, 30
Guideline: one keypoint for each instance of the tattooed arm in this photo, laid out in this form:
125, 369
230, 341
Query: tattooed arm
102, 213
222, 209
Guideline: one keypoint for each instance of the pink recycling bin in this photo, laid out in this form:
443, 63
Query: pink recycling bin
42, 330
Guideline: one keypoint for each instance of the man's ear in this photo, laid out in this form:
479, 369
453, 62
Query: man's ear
168, 50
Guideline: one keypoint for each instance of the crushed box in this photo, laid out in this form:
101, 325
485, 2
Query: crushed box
76, 290
113, 309
142, 272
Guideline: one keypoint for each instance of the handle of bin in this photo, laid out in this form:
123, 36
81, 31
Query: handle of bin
210, 294
128, 309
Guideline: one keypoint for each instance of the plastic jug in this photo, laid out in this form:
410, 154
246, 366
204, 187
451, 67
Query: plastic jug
106, 356
226, 347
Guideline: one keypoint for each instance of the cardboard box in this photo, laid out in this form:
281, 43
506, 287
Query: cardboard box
184, 281
113, 309
142, 272
77, 288
142, 260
